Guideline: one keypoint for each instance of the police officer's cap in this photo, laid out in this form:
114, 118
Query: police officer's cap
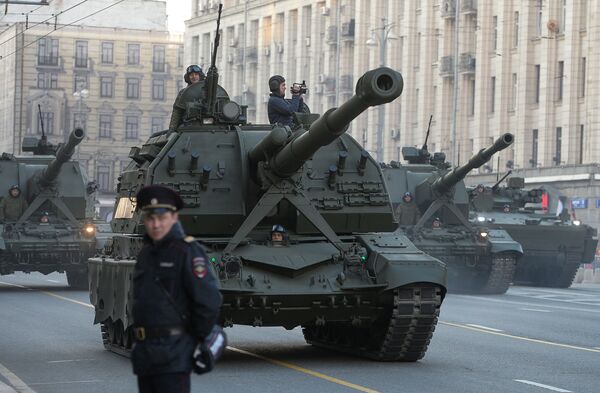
275, 81
158, 199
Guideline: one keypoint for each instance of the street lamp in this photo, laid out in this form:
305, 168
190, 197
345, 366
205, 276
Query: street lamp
379, 37
80, 95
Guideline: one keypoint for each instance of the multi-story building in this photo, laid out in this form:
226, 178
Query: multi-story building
479, 68
118, 84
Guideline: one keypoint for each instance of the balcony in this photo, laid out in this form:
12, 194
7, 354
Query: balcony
447, 66
466, 63
468, 6
448, 9
50, 61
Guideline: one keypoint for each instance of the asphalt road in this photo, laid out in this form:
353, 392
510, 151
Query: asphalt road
529, 340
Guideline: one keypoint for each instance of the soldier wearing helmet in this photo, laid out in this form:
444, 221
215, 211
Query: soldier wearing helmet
13, 206
279, 110
407, 212
278, 235
193, 74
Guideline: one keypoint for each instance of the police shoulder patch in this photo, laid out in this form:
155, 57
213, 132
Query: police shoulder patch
199, 267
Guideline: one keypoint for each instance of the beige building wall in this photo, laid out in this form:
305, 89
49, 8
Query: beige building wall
500, 86
131, 76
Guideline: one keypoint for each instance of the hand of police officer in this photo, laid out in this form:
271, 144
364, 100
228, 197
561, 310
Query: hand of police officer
210, 350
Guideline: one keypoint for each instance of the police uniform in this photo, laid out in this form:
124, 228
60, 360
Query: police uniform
176, 301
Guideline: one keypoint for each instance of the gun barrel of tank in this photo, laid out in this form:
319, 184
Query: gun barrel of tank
63, 155
446, 182
375, 87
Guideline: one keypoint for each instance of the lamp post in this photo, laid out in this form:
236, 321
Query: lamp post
80, 95
379, 37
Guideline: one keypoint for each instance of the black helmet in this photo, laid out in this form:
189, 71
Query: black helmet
278, 228
14, 187
408, 194
275, 81
193, 68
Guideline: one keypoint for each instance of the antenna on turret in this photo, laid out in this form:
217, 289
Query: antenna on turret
212, 76
427, 134
43, 141
495, 186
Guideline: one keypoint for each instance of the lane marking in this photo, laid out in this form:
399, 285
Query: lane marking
54, 281
66, 382
541, 385
69, 361
304, 371
533, 340
483, 327
534, 309
474, 298
15, 381
68, 299
4, 388
13, 285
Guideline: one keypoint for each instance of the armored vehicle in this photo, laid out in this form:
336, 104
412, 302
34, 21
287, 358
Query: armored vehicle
54, 233
341, 274
553, 246
480, 260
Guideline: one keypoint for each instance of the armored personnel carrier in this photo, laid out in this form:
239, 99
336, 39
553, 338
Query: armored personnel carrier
342, 274
54, 233
553, 247
479, 259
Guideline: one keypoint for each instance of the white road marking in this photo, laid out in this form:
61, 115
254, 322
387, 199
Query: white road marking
55, 281
67, 382
541, 385
13, 285
15, 381
534, 309
483, 327
69, 361
4, 388
596, 347
475, 298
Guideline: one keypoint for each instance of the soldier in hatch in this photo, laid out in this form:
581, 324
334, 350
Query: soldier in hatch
407, 212
193, 74
13, 206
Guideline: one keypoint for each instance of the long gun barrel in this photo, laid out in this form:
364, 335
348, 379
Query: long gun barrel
446, 182
63, 155
375, 87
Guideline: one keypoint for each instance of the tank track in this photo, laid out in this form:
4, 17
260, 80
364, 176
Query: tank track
402, 333
501, 274
115, 339
557, 277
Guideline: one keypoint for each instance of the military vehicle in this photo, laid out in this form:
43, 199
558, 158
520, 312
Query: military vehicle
342, 274
55, 233
480, 260
553, 247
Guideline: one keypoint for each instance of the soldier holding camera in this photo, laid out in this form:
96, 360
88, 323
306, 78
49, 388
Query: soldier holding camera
281, 110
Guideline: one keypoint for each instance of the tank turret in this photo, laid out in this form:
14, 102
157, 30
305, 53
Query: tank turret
63, 155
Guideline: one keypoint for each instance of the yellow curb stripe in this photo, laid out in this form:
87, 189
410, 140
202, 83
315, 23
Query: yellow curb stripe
533, 340
304, 371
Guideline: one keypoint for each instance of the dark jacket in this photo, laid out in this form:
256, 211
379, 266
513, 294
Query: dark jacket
407, 213
12, 208
173, 286
280, 110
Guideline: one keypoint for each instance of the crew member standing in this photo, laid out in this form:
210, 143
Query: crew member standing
279, 110
193, 75
408, 212
13, 206
176, 296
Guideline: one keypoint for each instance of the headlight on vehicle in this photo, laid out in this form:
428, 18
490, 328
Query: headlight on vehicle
576, 222
480, 218
483, 235
89, 230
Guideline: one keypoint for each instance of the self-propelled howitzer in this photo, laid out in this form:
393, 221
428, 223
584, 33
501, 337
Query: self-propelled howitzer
63, 154
341, 273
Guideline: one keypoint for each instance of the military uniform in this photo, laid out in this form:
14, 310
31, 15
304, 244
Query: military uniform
178, 113
12, 208
408, 213
176, 303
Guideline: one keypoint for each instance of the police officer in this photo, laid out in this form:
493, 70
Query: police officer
407, 212
193, 74
13, 206
279, 110
176, 296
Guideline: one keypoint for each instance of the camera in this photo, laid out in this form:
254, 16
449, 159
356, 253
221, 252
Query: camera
299, 88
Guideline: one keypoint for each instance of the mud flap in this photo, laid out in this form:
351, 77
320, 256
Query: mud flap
500, 241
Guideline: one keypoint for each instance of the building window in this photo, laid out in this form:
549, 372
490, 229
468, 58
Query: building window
79, 120
106, 86
48, 123
534, 148
158, 89
133, 88
105, 126
131, 127
516, 30
558, 144
133, 54
107, 52
563, 22
582, 77
560, 70
179, 85
47, 80
79, 83
180, 56
48, 51
493, 94
536, 81
581, 143
583, 17
157, 124
495, 32
539, 16
103, 177
195, 48
81, 54
158, 58
418, 48
416, 120
513, 101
